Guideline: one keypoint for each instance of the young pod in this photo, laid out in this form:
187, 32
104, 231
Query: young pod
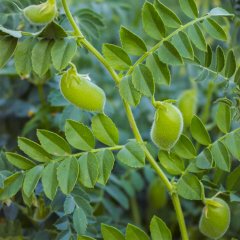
157, 195
167, 126
187, 104
42, 13
80, 91
215, 218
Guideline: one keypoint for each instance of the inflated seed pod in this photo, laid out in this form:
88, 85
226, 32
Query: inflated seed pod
167, 126
215, 218
157, 195
42, 13
187, 104
80, 91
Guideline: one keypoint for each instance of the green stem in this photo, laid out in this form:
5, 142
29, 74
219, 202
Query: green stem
115, 148
135, 211
41, 94
180, 216
154, 164
98, 55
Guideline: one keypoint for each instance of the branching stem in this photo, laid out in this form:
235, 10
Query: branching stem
131, 119
115, 148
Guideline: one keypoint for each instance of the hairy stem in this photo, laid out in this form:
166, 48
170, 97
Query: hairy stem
132, 122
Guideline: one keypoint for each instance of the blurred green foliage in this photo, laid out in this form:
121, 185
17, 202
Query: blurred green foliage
26, 105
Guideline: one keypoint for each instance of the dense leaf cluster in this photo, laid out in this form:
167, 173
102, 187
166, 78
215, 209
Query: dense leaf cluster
70, 173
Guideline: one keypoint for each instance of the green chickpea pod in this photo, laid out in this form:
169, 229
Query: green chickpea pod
167, 126
157, 194
42, 13
80, 91
215, 218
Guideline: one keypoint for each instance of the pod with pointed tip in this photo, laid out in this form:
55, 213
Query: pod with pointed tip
167, 126
80, 91
215, 218
42, 13
187, 104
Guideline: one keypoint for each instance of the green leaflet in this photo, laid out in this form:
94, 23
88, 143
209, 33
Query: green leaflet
31, 179
49, 180
106, 162
67, 174
116, 57
19, 161
79, 135
197, 37
223, 117
133, 232
7, 47
231, 65
132, 155
214, 29
189, 187
62, 52
233, 179
183, 44
205, 159
159, 230
237, 77
142, 80
220, 12
41, 56
131, 43
220, 59
33, 150
22, 57
184, 148
199, 132
112, 233
160, 71
171, 163
105, 130
85, 238
88, 170
169, 54
12, 185
208, 57
189, 7
152, 22
4, 31
53, 143
52, 31
80, 221
128, 91
169, 18
221, 156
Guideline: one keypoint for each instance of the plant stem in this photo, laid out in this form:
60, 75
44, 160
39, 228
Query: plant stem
118, 147
180, 216
132, 122
41, 94
98, 55
135, 211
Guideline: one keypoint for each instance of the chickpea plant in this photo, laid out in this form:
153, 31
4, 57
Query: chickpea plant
187, 155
